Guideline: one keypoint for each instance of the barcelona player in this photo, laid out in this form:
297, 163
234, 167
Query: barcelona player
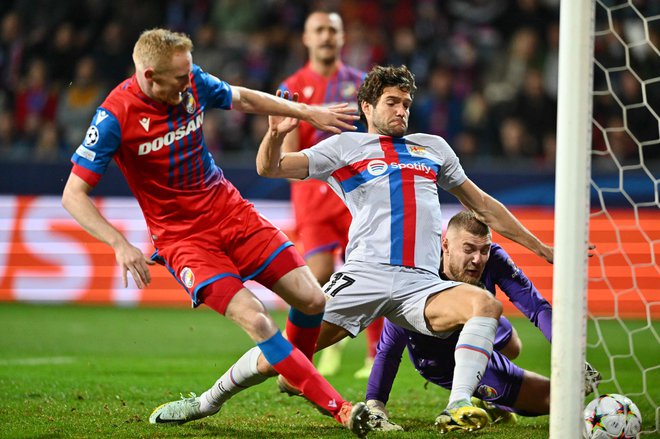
204, 232
322, 220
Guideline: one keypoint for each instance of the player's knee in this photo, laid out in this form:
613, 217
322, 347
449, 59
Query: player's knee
323, 275
315, 305
513, 348
486, 305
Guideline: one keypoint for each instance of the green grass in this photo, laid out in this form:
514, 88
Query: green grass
81, 372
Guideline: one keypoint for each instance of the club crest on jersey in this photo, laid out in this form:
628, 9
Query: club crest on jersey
92, 136
308, 91
486, 392
348, 90
187, 277
191, 105
377, 167
416, 150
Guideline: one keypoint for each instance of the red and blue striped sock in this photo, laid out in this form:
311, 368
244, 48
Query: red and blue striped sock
303, 330
298, 370
473, 350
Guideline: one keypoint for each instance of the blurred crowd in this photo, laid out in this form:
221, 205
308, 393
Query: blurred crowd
486, 69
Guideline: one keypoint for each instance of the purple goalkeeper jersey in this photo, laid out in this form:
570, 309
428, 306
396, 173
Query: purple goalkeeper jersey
500, 270
433, 357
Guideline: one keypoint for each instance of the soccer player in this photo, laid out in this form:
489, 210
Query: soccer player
389, 181
469, 255
204, 232
322, 219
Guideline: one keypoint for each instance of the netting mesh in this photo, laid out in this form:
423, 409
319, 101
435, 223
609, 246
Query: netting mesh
624, 278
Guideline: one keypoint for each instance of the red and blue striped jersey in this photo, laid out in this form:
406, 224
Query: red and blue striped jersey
389, 184
313, 203
315, 89
160, 149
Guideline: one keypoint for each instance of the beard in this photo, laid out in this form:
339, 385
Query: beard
390, 130
326, 54
461, 276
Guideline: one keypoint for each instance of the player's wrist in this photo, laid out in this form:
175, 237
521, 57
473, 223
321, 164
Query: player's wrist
118, 242
306, 112
276, 135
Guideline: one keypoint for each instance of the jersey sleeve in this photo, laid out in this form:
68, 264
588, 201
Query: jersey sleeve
99, 146
521, 291
324, 157
386, 364
216, 91
451, 172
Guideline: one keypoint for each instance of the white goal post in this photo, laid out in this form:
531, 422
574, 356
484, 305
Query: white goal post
576, 26
609, 65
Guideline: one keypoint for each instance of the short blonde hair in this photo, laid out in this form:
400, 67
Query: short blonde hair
467, 220
155, 48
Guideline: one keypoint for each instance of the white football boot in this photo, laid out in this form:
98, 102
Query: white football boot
179, 412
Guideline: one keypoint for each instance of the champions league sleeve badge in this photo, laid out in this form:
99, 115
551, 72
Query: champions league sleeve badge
92, 136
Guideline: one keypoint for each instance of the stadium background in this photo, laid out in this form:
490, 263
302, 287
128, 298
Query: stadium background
487, 77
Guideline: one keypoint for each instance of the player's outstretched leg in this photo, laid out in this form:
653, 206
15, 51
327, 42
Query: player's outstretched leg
240, 376
461, 415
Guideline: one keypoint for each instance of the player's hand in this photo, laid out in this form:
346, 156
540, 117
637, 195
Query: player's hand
131, 259
280, 125
380, 418
378, 408
547, 253
334, 119
591, 253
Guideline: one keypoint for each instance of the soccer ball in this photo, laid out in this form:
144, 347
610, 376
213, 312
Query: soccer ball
612, 416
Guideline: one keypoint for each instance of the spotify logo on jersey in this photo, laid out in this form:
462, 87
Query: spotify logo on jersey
377, 167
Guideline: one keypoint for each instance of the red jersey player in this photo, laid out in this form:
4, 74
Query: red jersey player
322, 219
204, 232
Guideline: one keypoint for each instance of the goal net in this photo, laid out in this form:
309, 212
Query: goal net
623, 340
607, 175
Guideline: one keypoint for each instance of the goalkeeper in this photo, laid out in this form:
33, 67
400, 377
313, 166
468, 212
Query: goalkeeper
468, 255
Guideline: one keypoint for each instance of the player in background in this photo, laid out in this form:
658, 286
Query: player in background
469, 255
322, 219
389, 181
204, 232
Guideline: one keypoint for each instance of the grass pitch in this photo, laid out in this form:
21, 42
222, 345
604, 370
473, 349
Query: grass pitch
82, 372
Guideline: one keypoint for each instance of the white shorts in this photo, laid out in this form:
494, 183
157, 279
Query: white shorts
361, 292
